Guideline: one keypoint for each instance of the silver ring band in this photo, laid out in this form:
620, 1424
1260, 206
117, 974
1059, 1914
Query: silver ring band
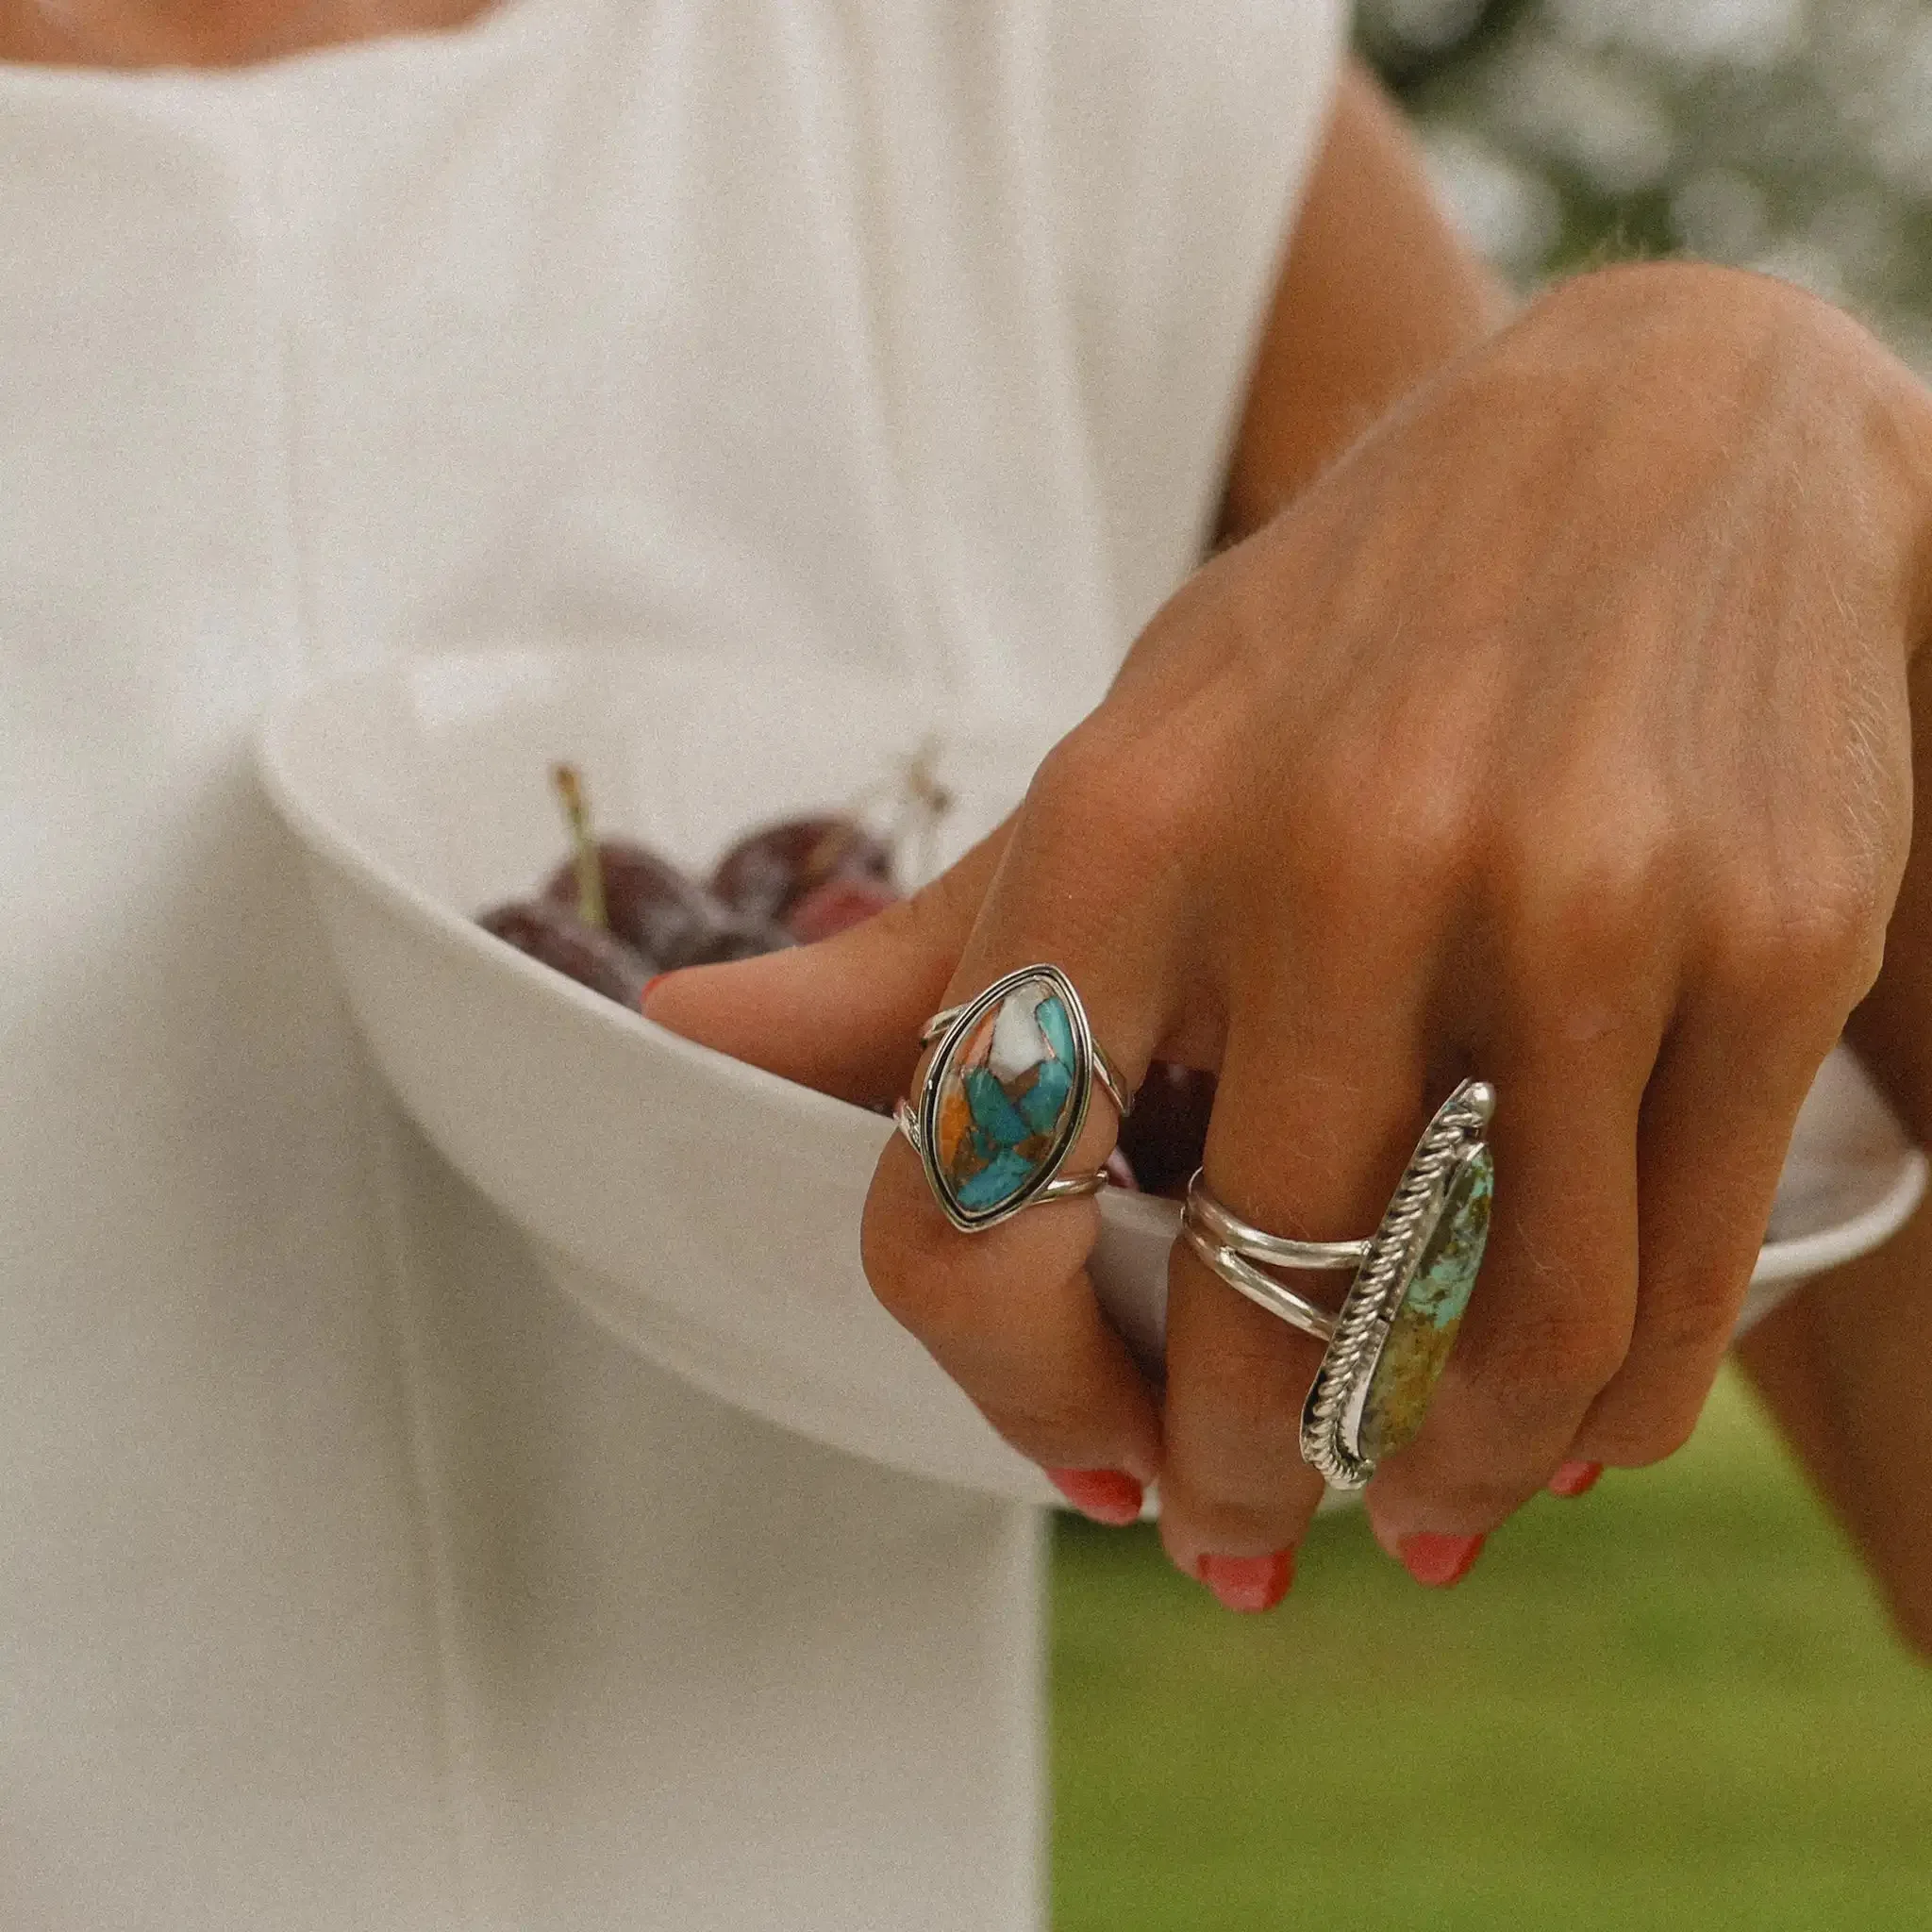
1243, 1276
1256, 1245
1385, 1348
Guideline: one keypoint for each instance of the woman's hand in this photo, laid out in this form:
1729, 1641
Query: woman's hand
1558, 736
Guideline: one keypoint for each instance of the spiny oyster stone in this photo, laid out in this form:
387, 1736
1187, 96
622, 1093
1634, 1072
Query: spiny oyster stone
1004, 1099
1417, 1343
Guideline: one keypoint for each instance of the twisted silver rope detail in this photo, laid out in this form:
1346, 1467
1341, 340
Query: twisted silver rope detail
1366, 1315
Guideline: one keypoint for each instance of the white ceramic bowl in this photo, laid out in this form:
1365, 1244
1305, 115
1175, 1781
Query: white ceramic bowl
706, 1212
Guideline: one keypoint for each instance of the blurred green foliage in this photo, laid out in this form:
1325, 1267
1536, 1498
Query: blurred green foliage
1668, 1707
1790, 135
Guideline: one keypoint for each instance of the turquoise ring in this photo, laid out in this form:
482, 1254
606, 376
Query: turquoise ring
1005, 1096
1385, 1349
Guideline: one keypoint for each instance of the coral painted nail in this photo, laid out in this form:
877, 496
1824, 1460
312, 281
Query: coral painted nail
1438, 1561
1248, 1583
644, 997
1575, 1478
1107, 1495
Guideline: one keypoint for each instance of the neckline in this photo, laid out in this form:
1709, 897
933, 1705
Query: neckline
497, 21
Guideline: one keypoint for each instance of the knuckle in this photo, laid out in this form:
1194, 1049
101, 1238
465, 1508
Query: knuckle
1589, 923
1366, 830
1452, 1479
1650, 1409
1477, 1500
1690, 1318
1077, 777
1790, 946
1451, 1475
1055, 1435
1330, 786
1544, 1366
1108, 788
1648, 1435
1222, 1522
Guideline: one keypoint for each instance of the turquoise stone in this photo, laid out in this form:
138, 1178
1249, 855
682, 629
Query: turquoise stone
1046, 1099
997, 1123
1004, 1099
1416, 1348
1057, 1029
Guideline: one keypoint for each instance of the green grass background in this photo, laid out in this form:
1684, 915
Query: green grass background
1668, 1704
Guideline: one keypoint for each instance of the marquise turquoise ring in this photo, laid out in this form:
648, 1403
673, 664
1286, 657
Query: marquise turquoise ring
1386, 1348
1005, 1096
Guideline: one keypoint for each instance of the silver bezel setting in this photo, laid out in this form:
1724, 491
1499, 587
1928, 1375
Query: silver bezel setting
1331, 1417
921, 1126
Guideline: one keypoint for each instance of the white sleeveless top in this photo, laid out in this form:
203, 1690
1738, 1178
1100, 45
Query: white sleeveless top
346, 1579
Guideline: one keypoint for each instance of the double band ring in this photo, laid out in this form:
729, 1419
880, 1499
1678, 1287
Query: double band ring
1385, 1349
1004, 1097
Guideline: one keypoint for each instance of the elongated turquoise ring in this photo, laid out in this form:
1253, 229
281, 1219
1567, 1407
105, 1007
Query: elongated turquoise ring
1386, 1348
1005, 1096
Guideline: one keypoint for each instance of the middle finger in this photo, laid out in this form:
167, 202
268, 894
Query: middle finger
1319, 1106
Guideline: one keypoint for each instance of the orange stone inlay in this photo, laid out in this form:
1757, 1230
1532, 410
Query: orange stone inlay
956, 1119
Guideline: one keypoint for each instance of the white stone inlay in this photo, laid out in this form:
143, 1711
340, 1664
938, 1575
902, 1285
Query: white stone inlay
1017, 1042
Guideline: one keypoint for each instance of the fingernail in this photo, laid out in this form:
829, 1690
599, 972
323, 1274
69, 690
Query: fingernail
1575, 1478
644, 997
1107, 1495
1248, 1583
1438, 1561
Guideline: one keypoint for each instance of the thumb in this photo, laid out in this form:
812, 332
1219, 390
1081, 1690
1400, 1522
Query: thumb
843, 1015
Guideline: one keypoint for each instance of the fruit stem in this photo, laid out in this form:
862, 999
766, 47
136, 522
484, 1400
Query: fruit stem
920, 802
589, 866
925, 803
